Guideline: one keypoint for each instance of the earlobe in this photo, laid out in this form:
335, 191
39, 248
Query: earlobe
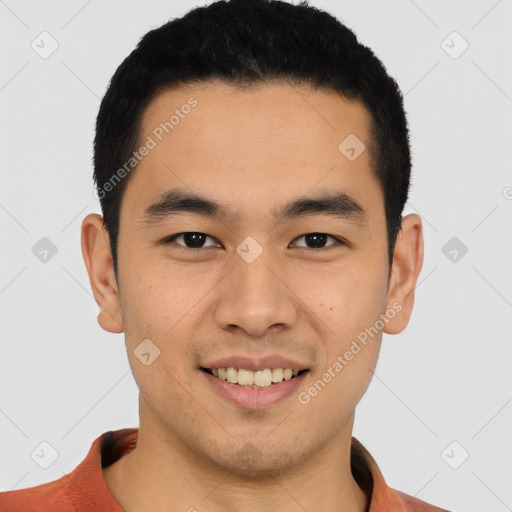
98, 261
406, 267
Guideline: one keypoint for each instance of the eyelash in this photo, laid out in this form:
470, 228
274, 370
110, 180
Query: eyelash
172, 238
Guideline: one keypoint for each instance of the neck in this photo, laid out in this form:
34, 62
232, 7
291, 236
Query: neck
162, 473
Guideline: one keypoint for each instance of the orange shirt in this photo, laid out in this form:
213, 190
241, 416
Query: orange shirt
84, 490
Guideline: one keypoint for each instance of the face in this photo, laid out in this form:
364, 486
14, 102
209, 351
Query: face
248, 240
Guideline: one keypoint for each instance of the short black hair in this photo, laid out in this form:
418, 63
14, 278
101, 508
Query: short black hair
244, 42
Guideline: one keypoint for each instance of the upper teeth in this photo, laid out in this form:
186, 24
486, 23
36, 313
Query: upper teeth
258, 378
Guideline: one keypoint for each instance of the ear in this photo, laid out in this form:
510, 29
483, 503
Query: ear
98, 260
406, 267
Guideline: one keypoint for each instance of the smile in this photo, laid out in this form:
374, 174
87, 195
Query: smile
254, 379
254, 389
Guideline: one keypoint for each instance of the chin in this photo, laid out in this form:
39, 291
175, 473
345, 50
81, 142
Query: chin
257, 462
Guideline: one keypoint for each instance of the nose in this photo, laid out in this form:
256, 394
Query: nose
256, 298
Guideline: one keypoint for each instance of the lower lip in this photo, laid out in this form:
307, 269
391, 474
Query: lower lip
253, 398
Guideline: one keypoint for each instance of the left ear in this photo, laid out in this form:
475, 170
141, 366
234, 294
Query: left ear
406, 267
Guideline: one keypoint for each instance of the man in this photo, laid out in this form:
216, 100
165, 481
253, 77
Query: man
252, 163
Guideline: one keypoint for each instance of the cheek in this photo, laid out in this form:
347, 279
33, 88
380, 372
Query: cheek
346, 300
154, 299
155, 308
166, 307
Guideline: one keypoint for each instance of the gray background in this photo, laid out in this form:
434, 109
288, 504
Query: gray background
447, 378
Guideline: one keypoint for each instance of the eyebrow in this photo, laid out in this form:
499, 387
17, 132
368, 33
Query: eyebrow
178, 200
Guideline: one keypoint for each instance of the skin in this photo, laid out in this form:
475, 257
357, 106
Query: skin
251, 150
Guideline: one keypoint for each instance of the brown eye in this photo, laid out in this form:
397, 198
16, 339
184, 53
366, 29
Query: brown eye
190, 240
317, 240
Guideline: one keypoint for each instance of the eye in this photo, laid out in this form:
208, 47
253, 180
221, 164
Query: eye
318, 240
191, 240
196, 240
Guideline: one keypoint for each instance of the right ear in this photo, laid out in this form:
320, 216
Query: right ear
98, 260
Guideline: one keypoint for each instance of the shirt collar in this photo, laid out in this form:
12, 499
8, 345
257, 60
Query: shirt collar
112, 445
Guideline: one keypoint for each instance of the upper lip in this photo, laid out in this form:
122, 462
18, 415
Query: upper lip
255, 363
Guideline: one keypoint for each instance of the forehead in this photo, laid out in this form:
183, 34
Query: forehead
270, 141
227, 114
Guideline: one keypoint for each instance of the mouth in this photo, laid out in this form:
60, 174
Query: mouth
254, 379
